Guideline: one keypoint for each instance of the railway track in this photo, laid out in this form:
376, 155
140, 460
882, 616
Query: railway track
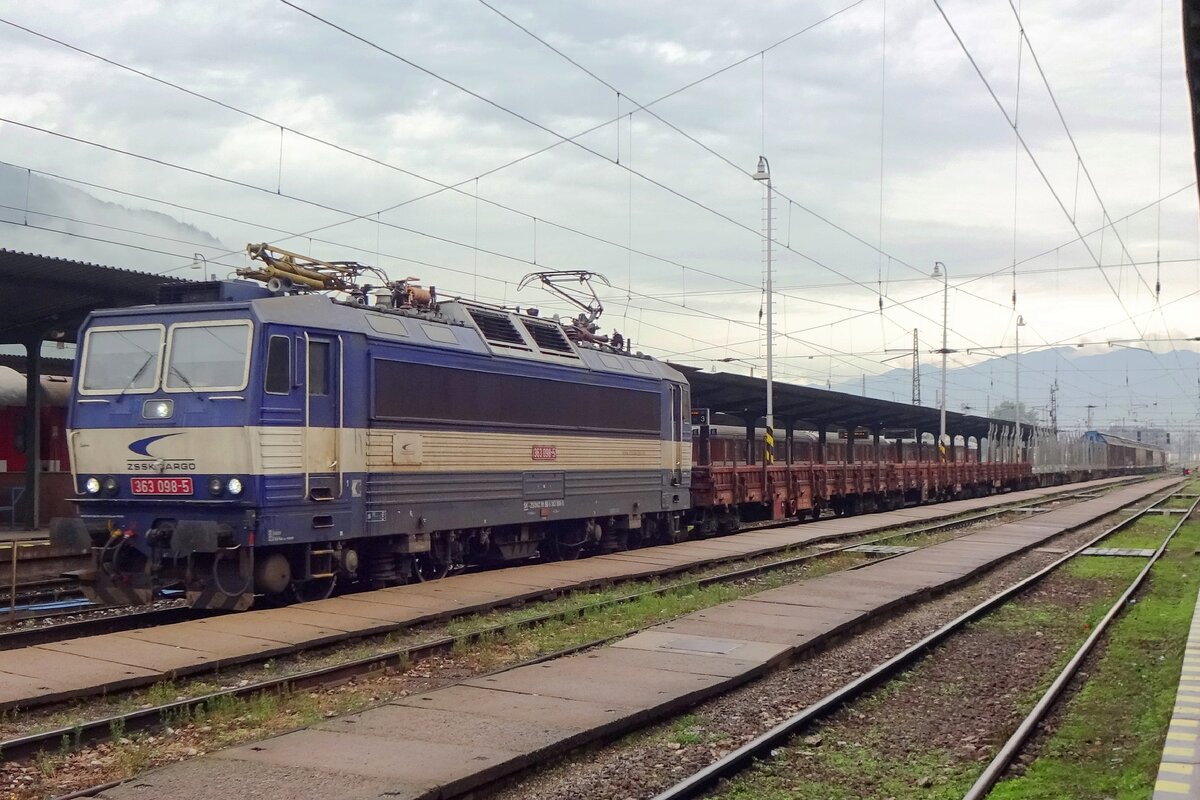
149, 718
275, 764
760, 749
134, 620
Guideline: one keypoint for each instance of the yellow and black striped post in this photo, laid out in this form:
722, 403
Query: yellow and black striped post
768, 446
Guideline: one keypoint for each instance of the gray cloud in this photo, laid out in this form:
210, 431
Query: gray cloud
948, 156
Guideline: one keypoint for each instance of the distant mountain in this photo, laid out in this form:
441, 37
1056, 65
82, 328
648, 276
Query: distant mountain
1133, 385
44, 203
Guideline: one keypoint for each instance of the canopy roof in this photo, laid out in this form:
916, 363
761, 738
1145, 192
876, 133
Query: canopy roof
48, 298
810, 407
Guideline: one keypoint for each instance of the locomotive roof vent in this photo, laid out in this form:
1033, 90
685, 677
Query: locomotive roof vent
549, 337
211, 292
497, 328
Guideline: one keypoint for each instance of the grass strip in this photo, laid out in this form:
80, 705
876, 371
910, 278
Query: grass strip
917, 736
1108, 741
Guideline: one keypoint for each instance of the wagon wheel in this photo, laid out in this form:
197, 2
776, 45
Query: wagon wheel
638, 537
306, 591
563, 545
428, 567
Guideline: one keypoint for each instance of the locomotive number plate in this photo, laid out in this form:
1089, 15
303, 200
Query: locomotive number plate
545, 452
161, 485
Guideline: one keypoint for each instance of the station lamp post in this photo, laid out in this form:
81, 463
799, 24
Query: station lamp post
1017, 403
764, 174
940, 271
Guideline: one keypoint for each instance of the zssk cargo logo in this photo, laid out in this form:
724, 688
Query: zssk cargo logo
152, 463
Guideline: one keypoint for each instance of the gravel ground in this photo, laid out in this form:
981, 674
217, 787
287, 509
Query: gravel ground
649, 761
88, 613
104, 762
88, 708
954, 710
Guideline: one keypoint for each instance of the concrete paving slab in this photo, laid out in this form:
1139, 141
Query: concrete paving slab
692, 662
14, 689
243, 780
825, 614
750, 633
61, 675
424, 763
773, 615
266, 625
849, 598
344, 623
517, 583
578, 678
69, 669
450, 598
539, 585
710, 647
565, 713
219, 646
365, 609
417, 606
659, 556
398, 723
132, 652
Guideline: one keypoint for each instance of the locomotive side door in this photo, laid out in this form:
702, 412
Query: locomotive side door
323, 397
677, 423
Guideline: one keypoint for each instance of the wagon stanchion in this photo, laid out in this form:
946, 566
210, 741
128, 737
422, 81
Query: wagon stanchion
12, 585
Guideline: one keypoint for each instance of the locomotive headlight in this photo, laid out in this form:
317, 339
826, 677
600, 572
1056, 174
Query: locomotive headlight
215, 486
92, 486
234, 485
111, 485
158, 409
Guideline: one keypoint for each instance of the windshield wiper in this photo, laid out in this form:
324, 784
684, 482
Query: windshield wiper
137, 374
175, 371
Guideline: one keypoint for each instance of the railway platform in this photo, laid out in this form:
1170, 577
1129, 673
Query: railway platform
1179, 770
446, 742
36, 558
93, 665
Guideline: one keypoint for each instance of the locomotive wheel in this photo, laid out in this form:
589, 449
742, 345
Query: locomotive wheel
273, 574
313, 589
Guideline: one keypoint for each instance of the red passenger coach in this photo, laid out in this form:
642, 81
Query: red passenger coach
55, 464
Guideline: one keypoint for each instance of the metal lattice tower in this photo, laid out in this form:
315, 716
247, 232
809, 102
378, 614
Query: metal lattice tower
1054, 406
916, 387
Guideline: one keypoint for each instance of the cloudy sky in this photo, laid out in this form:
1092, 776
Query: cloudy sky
887, 151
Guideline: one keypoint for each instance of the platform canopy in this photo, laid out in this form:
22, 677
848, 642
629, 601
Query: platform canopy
812, 408
48, 298
1191, 57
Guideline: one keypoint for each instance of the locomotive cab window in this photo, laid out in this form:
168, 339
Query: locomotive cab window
318, 367
279, 365
207, 356
124, 360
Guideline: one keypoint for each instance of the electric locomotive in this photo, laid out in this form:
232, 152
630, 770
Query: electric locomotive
239, 440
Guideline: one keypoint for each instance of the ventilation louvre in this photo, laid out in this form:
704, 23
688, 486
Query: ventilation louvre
497, 328
549, 337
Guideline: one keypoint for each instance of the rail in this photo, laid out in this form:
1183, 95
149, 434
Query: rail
151, 717
754, 750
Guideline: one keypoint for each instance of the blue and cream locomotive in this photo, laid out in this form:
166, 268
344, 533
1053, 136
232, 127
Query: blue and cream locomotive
240, 440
